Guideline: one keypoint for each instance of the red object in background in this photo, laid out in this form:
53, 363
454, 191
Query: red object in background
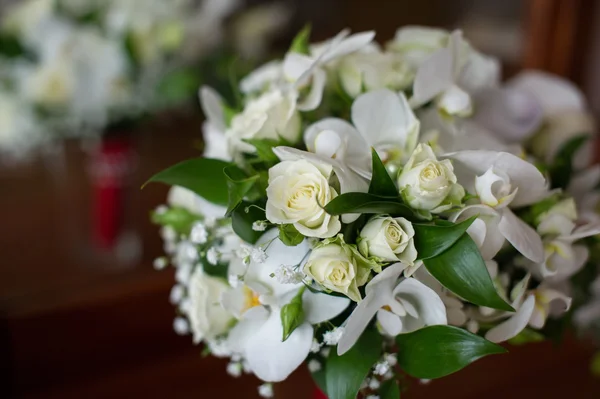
318, 394
110, 167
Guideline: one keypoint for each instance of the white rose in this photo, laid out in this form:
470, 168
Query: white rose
334, 267
390, 239
494, 188
428, 184
51, 84
208, 318
273, 115
296, 193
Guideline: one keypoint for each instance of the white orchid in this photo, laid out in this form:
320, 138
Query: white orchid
583, 189
438, 77
304, 71
258, 302
401, 307
382, 120
532, 308
563, 257
523, 184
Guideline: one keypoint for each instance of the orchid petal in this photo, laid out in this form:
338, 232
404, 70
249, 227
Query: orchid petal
347, 45
566, 267
514, 325
212, 106
587, 230
553, 93
433, 77
390, 323
383, 118
296, 66
260, 78
243, 331
532, 184
315, 95
215, 143
321, 307
272, 360
522, 236
427, 303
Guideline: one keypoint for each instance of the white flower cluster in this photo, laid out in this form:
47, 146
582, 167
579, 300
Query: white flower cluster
371, 168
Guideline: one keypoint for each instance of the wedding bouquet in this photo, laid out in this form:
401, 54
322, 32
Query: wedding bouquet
72, 67
380, 211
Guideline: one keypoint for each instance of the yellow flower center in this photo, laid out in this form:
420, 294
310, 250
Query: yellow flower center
251, 299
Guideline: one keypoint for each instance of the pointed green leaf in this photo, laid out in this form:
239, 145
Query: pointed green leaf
432, 240
242, 219
292, 314
301, 43
437, 351
289, 235
344, 374
203, 176
264, 149
389, 390
462, 270
180, 219
238, 184
381, 182
367, 203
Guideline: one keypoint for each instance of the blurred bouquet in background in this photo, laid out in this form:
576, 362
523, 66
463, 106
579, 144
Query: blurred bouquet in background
380, 211
70, 68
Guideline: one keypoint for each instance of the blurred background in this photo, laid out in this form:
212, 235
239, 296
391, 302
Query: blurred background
83, 313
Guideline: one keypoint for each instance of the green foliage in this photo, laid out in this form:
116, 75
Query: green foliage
242, 219
368, 203
289, 235
292, 314
344, 374
264, 149
437, 351
10, 47
203, 176
180, 219
432, 240
238, 184
462, 270
561, 169
389, 390
301, 43
526, 336
179, 86
381, 182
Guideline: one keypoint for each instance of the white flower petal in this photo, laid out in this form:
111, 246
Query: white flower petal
383, 118
296, 66
427, 303
522, 236
390, 323
272, 360
315, 95
322, 307
433, 77
243, 331
212, 106
530, 181
514, 325
348, 45
554, 93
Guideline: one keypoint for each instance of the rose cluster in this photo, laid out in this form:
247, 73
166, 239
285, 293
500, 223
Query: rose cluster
389, 198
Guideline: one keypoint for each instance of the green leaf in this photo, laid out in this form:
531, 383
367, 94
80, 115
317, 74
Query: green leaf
562, 168
289, 235
319, 378
437, 351
264, 149
178, 86
389, 390
432, 240
381, 182
526, 336
292, 314
203, 176
344, 374
238, 184
301, 42
10, 47
462, 270
367, 203
242, 219
180, 219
